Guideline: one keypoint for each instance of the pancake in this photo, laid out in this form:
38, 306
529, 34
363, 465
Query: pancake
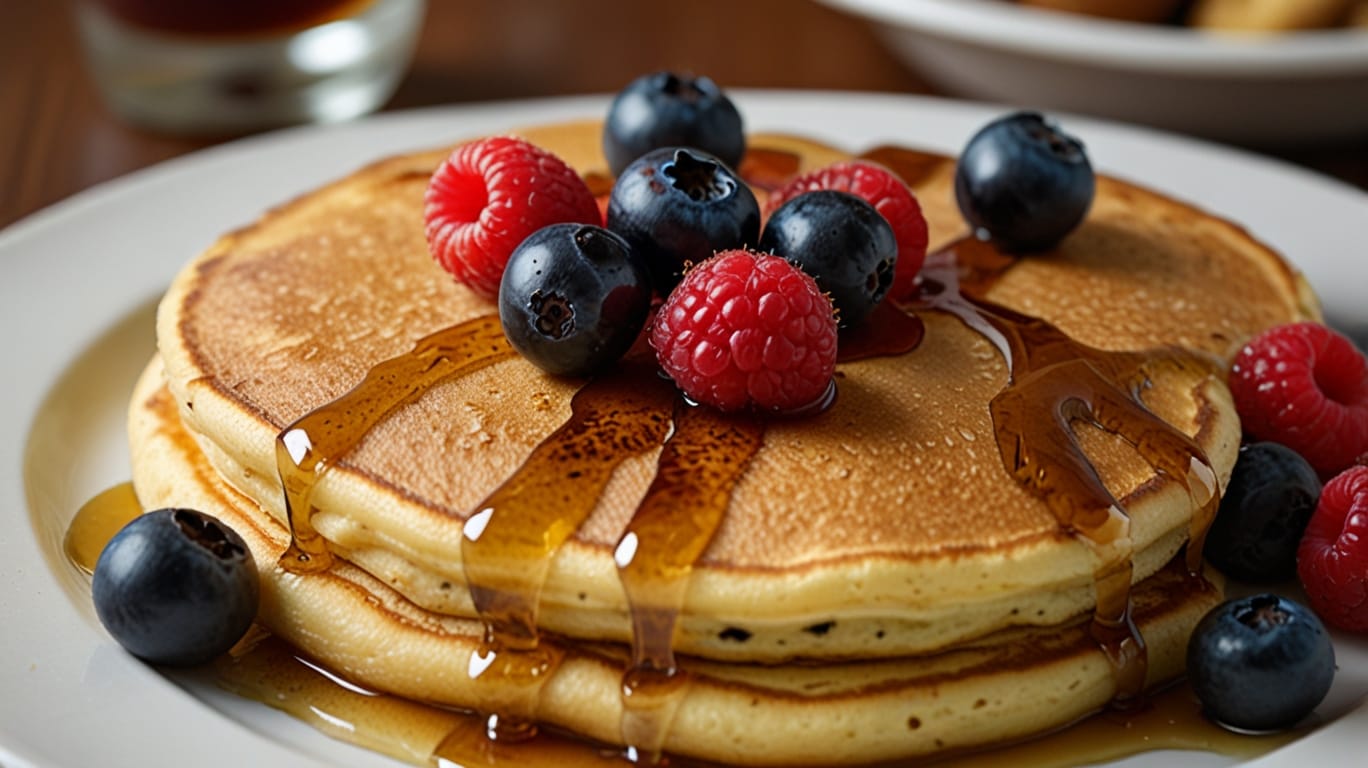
941, 559
842, 712
882, 527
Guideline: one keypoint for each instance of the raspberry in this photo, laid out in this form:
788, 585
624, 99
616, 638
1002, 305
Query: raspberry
1332, 560
488, 196
1304, 386
882, 189
744, 329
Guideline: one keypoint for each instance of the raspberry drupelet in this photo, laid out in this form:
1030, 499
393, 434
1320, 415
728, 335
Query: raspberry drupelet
1332, 560
747, 330
488, 196
1305, 386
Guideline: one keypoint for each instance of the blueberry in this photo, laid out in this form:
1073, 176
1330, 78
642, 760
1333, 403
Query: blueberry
573, 298
1260, 663
677, 206
842, 242
176, 587
669, 110
1264, 511
1023, 182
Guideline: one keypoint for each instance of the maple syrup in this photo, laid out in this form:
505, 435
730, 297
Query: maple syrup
768, 169
1054, 382
513, 534
699, 467
273, 673
96, 522
239, 18
306, 449
889, 330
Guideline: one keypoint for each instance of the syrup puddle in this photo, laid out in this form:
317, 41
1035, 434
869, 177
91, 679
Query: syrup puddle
269, 671
96, 522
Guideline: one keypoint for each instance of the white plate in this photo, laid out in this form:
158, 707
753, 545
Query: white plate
75, 306
1295, 87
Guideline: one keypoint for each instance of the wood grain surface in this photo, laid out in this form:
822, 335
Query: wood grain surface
57, 137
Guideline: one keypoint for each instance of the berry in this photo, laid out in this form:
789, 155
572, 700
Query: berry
1023, 183
677, 207
176, 587
1260, 663
880, 188
489, 195
747, 330
841, 241
669, 110
1304, 386
1264, 510
573, 299
1333, 559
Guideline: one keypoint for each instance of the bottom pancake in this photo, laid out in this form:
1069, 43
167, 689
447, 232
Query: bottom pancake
1001, 688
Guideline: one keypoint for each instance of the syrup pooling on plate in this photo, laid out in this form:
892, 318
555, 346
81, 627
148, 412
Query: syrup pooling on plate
306, 449
96, 522
272, 672
511, 538
1053, 382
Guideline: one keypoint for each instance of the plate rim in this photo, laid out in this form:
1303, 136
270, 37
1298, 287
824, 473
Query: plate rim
1148, 47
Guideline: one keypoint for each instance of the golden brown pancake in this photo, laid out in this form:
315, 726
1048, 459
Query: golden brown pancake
844, 712
886, 525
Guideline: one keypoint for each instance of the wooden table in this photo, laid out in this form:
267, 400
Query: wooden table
57, 138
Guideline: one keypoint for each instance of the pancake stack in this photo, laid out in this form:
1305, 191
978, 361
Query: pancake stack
981, 539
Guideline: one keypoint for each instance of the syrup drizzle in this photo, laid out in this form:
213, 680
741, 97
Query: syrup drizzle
511, 538
306, 449
1053, 382
696, 473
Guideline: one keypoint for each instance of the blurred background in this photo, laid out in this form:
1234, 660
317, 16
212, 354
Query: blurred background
58, 135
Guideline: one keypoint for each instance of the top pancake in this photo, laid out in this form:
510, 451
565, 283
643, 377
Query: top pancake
886, 525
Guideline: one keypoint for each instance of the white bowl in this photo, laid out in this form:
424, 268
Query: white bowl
1249, 89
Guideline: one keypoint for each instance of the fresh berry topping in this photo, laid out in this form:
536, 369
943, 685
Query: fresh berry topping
1304, 386
489, 195
677, 207
841, 241
1264, 510
1260, 663
573, 299
176, 587
880, 188
1333, 559
747, 330
1023, 183
669, 110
